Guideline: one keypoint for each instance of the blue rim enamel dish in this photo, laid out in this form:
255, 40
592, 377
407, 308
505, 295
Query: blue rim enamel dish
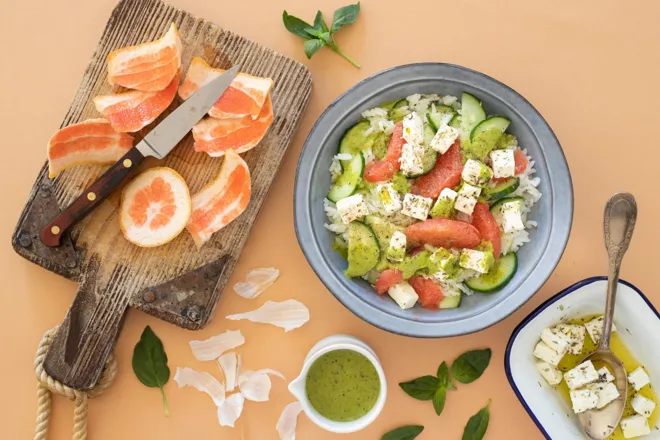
536, 260
636, 320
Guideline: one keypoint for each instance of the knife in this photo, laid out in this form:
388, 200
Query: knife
158, 143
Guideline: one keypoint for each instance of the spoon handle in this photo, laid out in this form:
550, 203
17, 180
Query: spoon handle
619, 223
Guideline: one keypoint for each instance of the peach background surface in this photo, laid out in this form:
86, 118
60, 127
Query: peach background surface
590, 67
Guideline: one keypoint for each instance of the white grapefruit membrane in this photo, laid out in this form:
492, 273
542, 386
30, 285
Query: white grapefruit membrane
256, 281
215, 346
289, 314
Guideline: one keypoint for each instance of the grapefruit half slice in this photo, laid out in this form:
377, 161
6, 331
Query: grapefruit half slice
93, 141
245, 96
216, 136
148, 67
221, 201
155, 207
132, 111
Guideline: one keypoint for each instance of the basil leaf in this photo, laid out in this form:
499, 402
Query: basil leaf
319, 23
312, 46
422, 388
345, 16
443, 374
314, 32
408, 432
150, 363
439, 400
296, 26
477, 425
326, 37
471, 365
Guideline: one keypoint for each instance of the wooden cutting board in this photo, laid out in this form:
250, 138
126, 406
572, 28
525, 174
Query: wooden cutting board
175, 282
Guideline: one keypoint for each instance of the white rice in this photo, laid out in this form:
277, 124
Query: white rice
378, 121
336, 225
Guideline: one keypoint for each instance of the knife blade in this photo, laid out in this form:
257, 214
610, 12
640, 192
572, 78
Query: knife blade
158, 143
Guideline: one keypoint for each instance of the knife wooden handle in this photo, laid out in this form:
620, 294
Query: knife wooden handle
92, 196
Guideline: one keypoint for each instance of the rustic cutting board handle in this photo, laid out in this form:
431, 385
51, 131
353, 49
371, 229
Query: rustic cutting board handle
81, 345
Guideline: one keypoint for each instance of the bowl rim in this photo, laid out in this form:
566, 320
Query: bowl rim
550, 256
537, 311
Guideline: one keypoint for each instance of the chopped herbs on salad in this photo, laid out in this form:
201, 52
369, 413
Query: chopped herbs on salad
430, 200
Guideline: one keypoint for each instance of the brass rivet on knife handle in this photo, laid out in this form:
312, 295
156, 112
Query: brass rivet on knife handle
55, 230
91, 196
128, 163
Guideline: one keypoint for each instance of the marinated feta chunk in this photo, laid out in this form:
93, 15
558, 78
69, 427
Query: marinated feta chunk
416, 206
445, 263
503, 162
389, 198
397, 248
606, 393
555, 340
576, 334
413, 150
642, 405
582, 375
413, 128
404, 295
583, 400
512, 216
547, 354
604, 375
476, 260
595, 328
444, 138
476, 173
467, 198
551, 374
352, 208
444, 206
635, 426
638, 378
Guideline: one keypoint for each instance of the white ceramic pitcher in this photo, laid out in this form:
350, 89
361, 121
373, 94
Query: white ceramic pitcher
331, 343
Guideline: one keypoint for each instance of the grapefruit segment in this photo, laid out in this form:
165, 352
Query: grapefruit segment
483, 220
445, 174
155, 207
387, 279
382, 170
132, 111
222, 200
216, 136
148, 67
93, 141
429, 293
443, 232
245, 96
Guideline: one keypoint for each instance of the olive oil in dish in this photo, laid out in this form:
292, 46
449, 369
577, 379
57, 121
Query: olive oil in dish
342, 385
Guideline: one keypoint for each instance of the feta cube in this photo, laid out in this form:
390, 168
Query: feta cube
467, 198
389, 198
550, 374
606, 393
642, 405
444, 206
476, 173
547, 354
503, 162
583, 400
555, 340
476, 260
444, 138
595, 329
352, 208
604, 375
416, 206
413, 128
512, 216
404, 295
635, 426
582, 375
638, 378
411, 159
576, 335
397, 248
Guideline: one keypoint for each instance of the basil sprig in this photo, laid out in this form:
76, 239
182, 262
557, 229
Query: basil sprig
318, 35
477, 425
408, 432
150, 363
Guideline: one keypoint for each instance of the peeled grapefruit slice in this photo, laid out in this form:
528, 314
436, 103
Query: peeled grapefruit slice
90, 141
155, 207
216, 136
222, 200
148, 67
245, 96
132, 111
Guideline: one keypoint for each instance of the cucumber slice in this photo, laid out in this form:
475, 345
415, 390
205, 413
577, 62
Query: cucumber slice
496, 123
363, 250
348, 182
399, 110
401, 103
496, 208
388, 105
451, 302
498, 277
384, 231
430, 155
456, 121
501, 189
443, 115
485, 135
472, 112
355, 140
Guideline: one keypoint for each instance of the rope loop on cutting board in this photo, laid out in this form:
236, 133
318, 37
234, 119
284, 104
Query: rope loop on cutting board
47, 385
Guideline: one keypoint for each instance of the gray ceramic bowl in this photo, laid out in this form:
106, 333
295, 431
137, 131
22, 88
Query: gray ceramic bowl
537, 260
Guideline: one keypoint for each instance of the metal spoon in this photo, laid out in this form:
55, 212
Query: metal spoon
619, 223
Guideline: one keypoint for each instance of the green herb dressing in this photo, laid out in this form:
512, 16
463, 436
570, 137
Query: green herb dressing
342, 385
